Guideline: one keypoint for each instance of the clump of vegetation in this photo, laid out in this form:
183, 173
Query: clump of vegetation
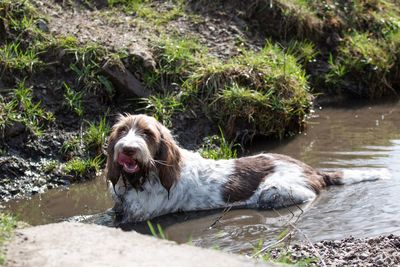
360, 55
262, 92
162, 107
20, 108
95, 136
73, 100
49, 166
7, 226
79, 167
217, 147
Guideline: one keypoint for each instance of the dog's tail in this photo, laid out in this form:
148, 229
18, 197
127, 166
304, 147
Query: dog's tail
353, 176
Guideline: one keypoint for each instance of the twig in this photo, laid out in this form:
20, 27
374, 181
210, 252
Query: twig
224, 212
308, 240
272, 245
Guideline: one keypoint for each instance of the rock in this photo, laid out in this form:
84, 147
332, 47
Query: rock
124, 81
42, 25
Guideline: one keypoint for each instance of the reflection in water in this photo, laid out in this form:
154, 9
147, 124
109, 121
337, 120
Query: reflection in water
336, 138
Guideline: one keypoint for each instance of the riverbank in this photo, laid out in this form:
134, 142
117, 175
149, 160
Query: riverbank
67, 69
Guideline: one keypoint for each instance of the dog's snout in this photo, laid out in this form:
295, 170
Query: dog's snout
129, 150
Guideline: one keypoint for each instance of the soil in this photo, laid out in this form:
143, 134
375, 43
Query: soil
351, 251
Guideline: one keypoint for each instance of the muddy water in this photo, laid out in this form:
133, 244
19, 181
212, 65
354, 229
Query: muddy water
352, 137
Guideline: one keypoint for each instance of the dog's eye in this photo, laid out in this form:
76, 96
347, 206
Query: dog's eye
122, 130
148, 133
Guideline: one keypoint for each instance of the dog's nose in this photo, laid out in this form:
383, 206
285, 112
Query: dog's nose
129, 150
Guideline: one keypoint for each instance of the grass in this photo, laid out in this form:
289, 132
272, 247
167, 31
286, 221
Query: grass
22, 109
7, 227
162, 107
50, 165
95, 135
262, 92
361, 55
79, 167
217, 147
73, 100
14, 58
71, 147
159, 233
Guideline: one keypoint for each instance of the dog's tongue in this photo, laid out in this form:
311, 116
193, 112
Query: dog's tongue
129, 165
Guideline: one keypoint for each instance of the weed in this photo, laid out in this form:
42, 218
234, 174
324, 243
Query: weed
7, 226
163, 107
49, 166
153, 231
217, 147
73, 100
96, 134
21, 108
83, 167
71, 146
13, 58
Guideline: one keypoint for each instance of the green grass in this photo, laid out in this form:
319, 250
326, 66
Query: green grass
71, 147
21, 108
217, 147
162, 107
13, 58
95, 135
79, 167
367, 58
7, 227
159, 233
262, 92
50, 165
73, 100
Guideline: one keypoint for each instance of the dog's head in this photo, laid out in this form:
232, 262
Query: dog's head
139, 144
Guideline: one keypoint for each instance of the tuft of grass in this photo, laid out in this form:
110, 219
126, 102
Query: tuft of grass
163, 107
177, 58
71, 146
263, 92
21, 108
96, 134
79, 167
73, 100
362, 56
217, 147
13, 58
7, 227
50, 165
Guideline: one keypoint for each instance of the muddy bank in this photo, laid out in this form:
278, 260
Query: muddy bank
376, 251
74, 244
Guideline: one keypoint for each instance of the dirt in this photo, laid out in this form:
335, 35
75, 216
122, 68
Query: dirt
75, 244
351, 251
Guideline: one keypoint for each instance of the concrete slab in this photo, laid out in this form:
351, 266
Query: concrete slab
75, 244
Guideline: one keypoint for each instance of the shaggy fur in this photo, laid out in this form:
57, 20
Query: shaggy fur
150, 175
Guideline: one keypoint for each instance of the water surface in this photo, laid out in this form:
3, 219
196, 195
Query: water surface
336, 138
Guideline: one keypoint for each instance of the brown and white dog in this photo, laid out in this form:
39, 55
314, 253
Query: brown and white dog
151, 175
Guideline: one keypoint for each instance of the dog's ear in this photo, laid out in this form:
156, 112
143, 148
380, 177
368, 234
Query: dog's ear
113, 170
168, 158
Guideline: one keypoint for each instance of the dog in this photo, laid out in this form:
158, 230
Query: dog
150, 175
